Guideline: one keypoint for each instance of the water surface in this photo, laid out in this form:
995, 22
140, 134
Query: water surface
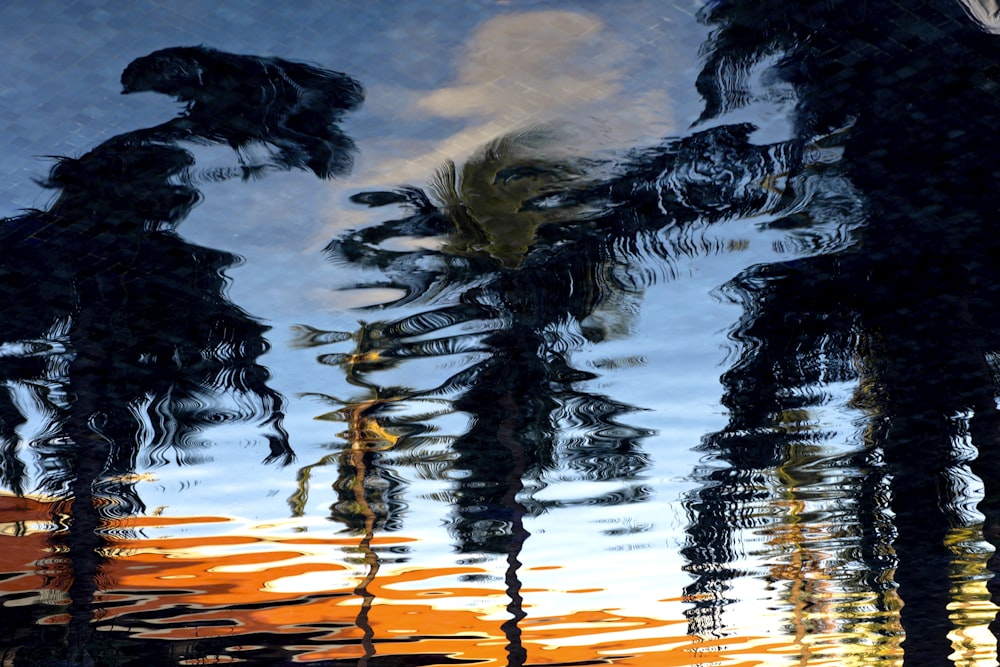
514, 333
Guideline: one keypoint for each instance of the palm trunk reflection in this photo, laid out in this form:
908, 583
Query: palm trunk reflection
118, 332
510, 308
906, 316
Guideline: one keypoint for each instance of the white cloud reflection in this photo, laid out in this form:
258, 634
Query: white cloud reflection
519, 65
526, 69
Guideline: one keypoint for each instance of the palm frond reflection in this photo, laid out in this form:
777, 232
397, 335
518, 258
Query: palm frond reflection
118, 339
536, 255
895, 332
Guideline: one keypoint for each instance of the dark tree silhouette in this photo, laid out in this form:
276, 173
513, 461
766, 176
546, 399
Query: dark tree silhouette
536, 258
908, 312
120, 330
240, 100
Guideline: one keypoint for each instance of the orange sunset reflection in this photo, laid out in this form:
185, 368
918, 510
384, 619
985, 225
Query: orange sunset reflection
238, 583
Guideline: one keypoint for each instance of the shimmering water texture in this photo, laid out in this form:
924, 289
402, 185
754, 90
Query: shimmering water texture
724, 397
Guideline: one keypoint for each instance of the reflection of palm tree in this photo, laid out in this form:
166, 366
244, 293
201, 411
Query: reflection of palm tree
243, 100
907, 315
367, 433
495, 199
120, 330
538, 257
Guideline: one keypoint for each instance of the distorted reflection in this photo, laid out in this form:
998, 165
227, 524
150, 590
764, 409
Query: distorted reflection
517, 260
846, 504
118, 340
883, 540
291, 108
880, 322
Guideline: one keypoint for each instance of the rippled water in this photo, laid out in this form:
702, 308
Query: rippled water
510, 333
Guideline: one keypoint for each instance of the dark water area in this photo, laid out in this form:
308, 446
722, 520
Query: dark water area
568, 334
